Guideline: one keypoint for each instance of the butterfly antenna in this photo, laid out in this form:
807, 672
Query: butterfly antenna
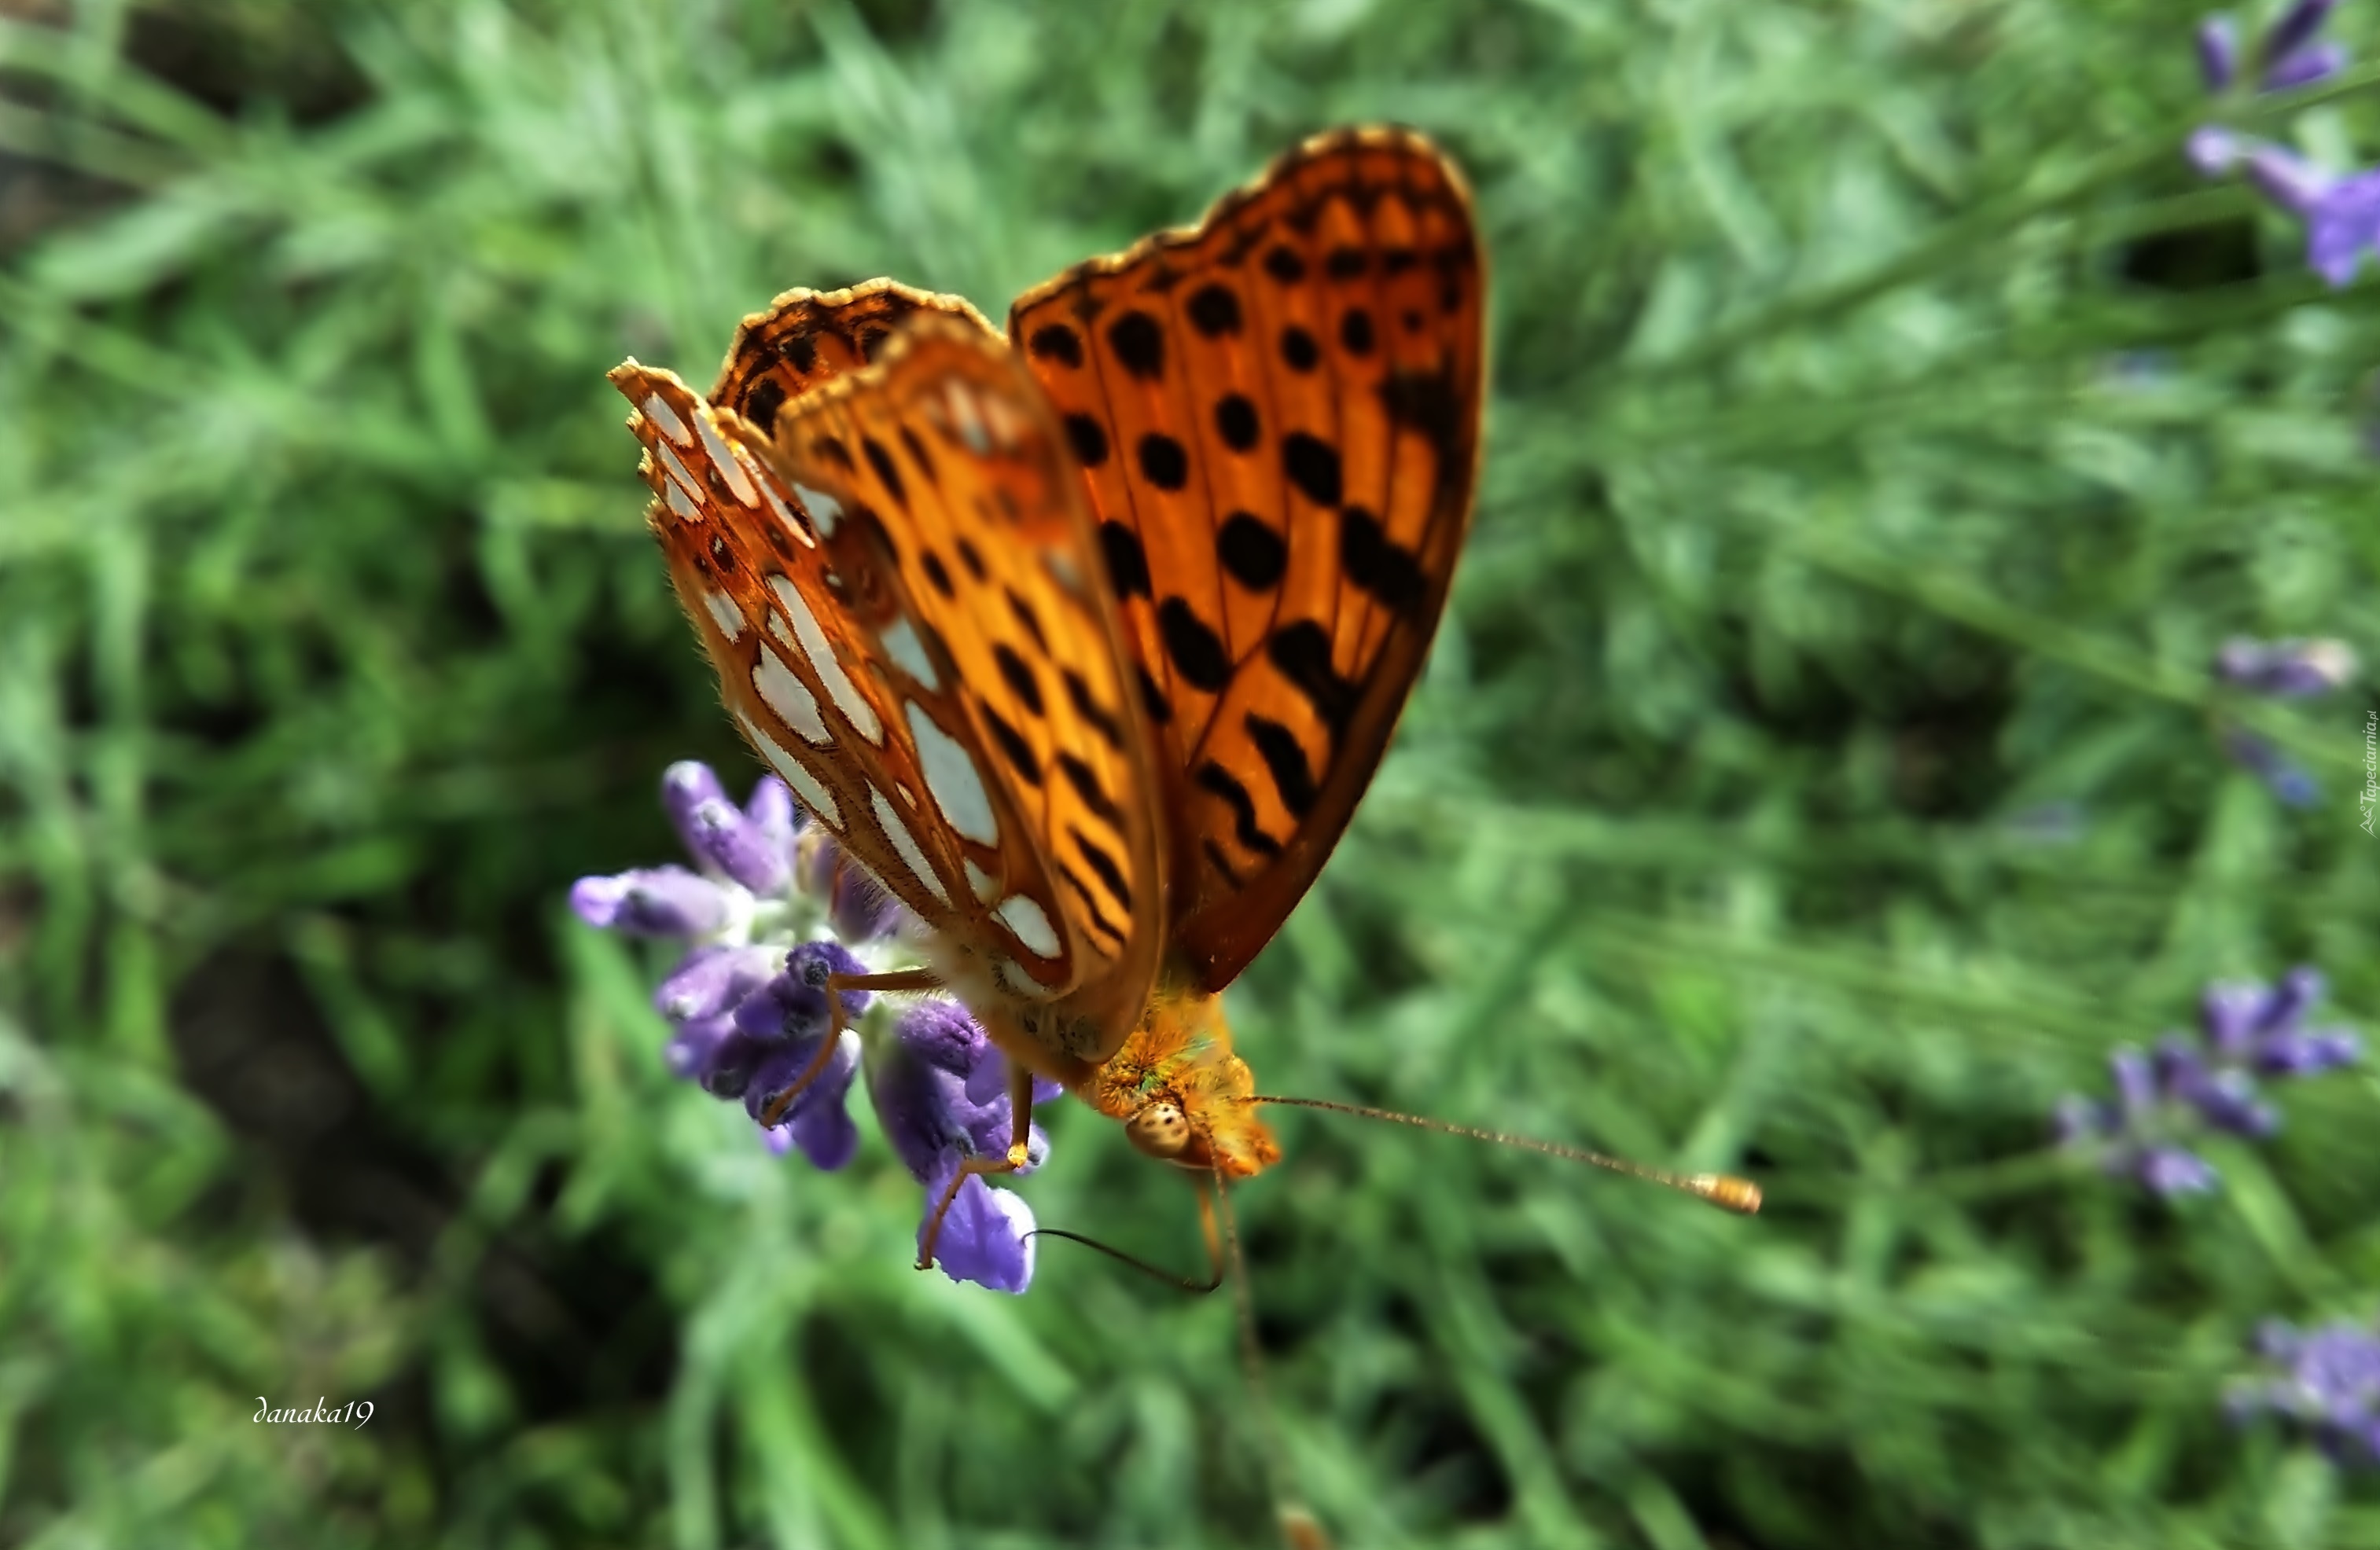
1154, 1272
1299, 1529
1723, 1190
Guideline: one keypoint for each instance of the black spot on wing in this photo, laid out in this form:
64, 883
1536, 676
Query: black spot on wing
1152, 698
1086, 706
937, 574
916, 451
1019, 674
1252, 553
1100, 862
1029, 619
1284, 265
1012, 746
1194, 650
1355, 332
760, 404
1089, 439
1388, 571
882, 461
1139, 343
1312, 465
1162, 461
1236, 421
1056, 342
1286, 761
1214, 312
1302, 652
1099, 921
1127, 562
1298, 349
1213, 776
1086, 782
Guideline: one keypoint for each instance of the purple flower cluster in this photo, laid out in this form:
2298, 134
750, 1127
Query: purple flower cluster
2285, 669
774, 908
2328, 1383
2341, 212
2165, 1096
2279, 670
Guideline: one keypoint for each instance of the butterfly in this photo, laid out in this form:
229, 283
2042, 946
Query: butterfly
1084, 640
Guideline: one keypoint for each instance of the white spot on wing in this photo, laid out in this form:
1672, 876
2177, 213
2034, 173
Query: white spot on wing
724, 613
680, 502
656, 409
965, 419
679, 469
789, 696
951, 780
1021, 914
901, 644
785, 516
729, 469
814, 796
906, 845
980, 882
824, 509
821, 652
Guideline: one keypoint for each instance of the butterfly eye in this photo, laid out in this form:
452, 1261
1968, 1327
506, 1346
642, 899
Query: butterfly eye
1161, 1130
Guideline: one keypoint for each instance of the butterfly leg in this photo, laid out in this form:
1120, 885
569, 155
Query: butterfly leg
899, 979
1020, 1135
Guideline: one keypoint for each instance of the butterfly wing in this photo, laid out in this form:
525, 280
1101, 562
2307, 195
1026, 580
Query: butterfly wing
1276, 413
897, 587
806, 338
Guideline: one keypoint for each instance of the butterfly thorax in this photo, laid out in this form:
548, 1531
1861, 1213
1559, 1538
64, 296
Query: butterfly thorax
1181, 1092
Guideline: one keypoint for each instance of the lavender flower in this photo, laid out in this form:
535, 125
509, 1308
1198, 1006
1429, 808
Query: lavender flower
2187, 1086
2285, 669
2260, 1026
941, 1089
2282, 774
2341, 213
2328, 1385
2288, 58
775, 910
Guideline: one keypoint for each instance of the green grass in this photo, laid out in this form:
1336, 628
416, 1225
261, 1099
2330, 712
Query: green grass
1886, 429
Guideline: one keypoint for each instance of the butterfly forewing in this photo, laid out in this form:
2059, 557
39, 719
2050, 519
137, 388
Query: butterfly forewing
806, 338
1276, 415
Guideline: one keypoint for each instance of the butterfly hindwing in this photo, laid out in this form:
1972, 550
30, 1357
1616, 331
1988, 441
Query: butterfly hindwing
1276, 417
961, 547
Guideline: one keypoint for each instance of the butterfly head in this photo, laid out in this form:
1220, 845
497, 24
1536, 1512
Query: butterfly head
1178, 1089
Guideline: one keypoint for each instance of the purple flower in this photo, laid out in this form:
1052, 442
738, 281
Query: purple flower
2283, 776
748, 1011
2285, 669
2133, 1135
2288, 56
2188, 1087
2260, 1026
857, 905
927, 1080
653, 902
2342, 214
2328, 1384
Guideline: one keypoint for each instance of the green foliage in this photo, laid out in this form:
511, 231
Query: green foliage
1816, 775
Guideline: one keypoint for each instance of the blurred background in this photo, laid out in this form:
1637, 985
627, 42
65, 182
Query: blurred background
1823, 767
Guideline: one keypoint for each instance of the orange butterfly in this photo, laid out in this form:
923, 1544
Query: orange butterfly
1085, 642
